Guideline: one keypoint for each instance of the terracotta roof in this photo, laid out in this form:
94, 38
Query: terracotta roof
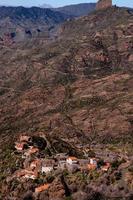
24, 138
35, 163
106, 167
72, 158
42, 188
19, 145
26, 172
91, 166
33, 150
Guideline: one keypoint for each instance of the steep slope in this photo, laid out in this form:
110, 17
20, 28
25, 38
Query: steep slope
78, 9
84, 79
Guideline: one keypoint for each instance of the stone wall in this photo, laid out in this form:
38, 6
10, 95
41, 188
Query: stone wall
103, 4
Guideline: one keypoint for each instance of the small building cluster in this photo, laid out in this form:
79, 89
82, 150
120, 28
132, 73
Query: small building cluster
34, 165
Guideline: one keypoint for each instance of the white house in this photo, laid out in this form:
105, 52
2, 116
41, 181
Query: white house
47, 169
62, 164
72, 160
30, 176
93, 161
47, 166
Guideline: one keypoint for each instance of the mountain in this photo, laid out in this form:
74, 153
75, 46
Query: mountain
94, 50
19, 23
33, 13
45, 6
76, 92
77, 9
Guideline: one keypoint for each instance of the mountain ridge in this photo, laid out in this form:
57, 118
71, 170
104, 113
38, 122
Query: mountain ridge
20, 23
77, 9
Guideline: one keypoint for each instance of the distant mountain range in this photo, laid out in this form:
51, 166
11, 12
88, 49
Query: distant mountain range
20, 23
33, 14
78, 9
45, 6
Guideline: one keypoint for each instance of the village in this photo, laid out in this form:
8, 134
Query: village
34, 164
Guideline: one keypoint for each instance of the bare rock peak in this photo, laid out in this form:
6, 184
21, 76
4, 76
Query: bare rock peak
103, 4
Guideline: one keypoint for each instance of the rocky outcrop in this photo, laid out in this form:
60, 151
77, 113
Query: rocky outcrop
103, 4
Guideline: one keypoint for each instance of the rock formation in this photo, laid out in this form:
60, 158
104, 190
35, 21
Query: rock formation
103, 4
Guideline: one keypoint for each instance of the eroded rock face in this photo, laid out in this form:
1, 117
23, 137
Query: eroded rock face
103, 4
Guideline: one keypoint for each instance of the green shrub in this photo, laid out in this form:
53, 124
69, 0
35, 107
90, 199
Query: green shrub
50, 178
91, 154
65, 173
116, 164
68, 198
130, 169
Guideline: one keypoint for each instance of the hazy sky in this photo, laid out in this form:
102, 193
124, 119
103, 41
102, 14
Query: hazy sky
56, 3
